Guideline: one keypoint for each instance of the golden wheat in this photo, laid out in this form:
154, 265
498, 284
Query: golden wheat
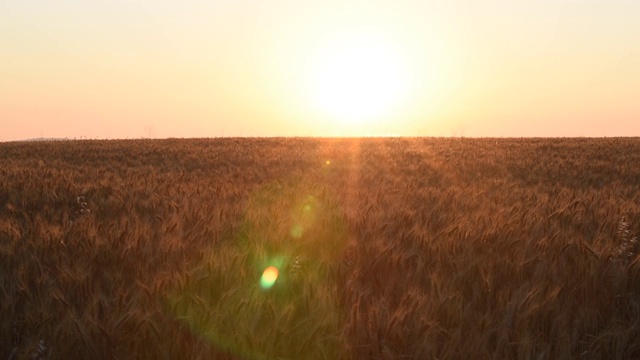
386, 248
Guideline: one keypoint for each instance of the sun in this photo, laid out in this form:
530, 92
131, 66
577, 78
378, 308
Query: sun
358, 77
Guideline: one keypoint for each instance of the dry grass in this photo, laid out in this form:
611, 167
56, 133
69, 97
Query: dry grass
387, 248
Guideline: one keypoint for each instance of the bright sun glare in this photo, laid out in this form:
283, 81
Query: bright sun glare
358, 77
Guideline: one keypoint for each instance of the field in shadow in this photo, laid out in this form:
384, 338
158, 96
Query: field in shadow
385, 248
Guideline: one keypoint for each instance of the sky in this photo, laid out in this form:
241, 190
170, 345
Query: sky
142, 68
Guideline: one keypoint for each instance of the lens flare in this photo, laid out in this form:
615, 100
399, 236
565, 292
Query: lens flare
269, 277
296, 231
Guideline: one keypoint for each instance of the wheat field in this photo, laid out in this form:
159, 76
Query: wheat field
386, 248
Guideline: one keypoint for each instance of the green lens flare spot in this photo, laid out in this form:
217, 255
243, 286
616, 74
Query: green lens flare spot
269, 277
296, 231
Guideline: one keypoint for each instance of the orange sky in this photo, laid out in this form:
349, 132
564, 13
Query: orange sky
142, 68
